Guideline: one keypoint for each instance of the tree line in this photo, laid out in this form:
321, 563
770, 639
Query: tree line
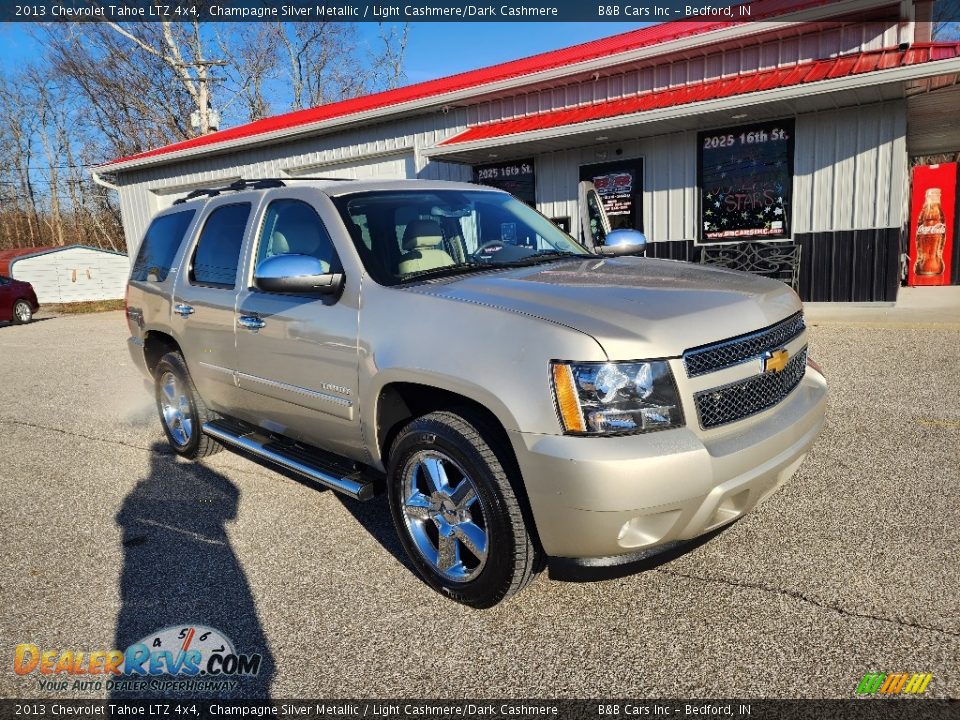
98, 91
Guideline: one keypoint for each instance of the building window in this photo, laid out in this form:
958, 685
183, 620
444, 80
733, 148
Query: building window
746, 181
516, 177
620, 187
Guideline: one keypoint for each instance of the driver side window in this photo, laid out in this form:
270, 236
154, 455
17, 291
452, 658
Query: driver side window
294, 227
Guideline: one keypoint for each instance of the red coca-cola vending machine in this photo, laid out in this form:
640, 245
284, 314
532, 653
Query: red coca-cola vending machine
932, 216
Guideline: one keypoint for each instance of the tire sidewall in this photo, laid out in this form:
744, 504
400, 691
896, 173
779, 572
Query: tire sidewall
433, 435
16, 316
174, 364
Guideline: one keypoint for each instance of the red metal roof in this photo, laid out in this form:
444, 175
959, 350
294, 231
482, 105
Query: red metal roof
743, 84
7, 257
604, 47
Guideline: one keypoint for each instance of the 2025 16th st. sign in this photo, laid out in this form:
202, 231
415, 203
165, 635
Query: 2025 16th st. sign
746, 179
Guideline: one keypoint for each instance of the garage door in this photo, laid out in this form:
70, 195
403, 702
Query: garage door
387, 167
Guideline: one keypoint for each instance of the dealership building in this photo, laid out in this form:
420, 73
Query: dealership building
798, 128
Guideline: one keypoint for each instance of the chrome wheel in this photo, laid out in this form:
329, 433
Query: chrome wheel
23, 312
175, 408
443, 516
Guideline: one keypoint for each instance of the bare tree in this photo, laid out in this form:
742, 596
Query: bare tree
946, 21
322, 61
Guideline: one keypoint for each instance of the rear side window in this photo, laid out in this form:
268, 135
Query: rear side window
217, 255
160, 245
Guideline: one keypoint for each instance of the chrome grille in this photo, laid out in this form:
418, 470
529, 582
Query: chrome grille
728, 403
709, 358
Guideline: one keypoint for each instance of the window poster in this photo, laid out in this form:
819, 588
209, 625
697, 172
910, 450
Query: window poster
746, 180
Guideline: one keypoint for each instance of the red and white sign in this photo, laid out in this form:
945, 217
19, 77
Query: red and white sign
932, 216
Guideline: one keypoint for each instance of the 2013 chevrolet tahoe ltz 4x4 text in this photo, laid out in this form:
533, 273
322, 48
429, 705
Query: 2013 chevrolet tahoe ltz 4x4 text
520, 396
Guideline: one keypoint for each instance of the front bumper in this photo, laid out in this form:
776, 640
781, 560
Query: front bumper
597, 497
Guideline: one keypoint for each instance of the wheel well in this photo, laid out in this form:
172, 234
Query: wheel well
399, 403
155, 346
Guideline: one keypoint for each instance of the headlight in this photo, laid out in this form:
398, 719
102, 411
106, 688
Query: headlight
609, 398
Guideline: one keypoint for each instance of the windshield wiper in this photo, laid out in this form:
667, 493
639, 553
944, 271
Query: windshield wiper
441, 271
539, 256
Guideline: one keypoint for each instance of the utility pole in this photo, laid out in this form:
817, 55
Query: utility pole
205, 114
168, 49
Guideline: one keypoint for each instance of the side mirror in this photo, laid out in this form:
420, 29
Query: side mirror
298, 275
623, 242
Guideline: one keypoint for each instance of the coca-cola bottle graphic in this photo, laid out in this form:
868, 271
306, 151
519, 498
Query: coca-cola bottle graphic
931, 235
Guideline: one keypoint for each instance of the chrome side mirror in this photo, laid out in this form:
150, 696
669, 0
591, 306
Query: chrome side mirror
623, 242
298, 275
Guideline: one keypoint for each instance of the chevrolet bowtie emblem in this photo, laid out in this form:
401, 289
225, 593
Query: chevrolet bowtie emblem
775, 361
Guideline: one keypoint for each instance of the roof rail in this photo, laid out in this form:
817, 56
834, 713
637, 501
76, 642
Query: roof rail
310, 177
236, 186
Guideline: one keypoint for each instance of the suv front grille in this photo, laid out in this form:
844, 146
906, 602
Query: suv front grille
709, 358
728, 403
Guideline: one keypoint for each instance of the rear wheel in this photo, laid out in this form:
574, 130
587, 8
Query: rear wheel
182, 410
456, 512
22, 312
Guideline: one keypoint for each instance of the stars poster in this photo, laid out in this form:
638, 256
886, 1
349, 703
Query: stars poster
746, 179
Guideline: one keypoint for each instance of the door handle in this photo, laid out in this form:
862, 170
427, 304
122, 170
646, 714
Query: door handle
250, 322
183, 310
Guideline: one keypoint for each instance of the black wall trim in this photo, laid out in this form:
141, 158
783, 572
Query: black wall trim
850, 265
836, 266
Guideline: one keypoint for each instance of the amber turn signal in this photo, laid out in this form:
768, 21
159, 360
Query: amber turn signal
567, 403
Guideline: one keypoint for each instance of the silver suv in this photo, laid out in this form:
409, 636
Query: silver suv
519, 396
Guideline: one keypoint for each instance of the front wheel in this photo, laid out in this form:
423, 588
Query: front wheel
22, 312
182, 410
456, 511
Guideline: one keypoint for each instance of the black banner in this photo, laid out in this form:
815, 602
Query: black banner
864, 709
746, 182
372, 11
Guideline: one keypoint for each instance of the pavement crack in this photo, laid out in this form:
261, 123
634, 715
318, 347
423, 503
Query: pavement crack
804, 598
49, 428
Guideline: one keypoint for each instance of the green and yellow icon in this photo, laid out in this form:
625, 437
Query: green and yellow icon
894, 683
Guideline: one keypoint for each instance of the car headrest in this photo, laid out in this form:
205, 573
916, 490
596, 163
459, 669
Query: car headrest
422, 234
279, 244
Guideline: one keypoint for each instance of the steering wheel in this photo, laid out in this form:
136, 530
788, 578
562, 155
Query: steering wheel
487, 244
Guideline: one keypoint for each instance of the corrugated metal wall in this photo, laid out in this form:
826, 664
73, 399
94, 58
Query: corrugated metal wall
145, 192
850, 168
74, 274
850, 172
776, 52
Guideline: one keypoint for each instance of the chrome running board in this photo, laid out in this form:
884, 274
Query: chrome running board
316, 465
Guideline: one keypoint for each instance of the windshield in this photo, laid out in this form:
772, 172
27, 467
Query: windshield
406, 235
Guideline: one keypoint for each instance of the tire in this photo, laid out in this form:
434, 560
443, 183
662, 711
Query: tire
182, 410
436, 513
22, 312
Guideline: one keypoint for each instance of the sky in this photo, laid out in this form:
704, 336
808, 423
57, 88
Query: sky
434, 49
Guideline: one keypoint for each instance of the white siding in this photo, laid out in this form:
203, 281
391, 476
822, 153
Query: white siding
74, 274
850, 168
388, 148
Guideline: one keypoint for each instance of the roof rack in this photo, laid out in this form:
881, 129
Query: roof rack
256, 184
235, 186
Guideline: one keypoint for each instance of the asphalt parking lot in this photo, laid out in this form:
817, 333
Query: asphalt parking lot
851, 568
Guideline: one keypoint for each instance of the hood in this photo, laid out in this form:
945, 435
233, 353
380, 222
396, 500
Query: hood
636, 308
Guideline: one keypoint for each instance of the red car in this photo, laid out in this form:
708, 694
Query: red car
18, 301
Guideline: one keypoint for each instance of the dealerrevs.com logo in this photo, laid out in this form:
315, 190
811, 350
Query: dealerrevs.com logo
886, 684
189, 658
